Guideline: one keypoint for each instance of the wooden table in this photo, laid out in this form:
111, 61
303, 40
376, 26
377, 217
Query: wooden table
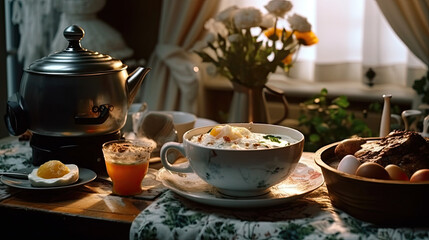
85, 212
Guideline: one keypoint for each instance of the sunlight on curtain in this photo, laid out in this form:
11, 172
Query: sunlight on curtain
173, 82
353, 36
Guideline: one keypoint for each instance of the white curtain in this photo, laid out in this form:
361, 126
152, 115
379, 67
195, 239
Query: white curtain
42, 23
99, 36
353, 37
37, 26
173, 82
410, 20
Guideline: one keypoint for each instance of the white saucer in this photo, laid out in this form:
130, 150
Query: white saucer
85, 176
154, 159
306, 178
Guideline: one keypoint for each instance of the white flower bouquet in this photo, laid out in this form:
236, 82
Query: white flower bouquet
246, 57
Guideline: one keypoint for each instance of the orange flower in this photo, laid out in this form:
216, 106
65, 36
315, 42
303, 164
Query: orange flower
288, 59
306, 38
270, 32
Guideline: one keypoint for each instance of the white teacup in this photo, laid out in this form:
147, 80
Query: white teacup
238, 172
183, 121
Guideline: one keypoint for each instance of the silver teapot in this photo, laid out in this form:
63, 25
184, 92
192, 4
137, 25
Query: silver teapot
75, 92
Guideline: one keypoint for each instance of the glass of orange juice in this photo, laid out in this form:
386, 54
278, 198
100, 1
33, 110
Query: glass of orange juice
127, 162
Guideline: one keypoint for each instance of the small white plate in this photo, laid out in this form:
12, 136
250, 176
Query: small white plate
85, 176
306, 178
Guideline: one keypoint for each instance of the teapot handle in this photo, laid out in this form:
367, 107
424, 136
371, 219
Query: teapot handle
16, 117
278, 92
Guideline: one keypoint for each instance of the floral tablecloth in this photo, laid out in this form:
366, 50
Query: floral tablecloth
16, 156
311, 217
173, 217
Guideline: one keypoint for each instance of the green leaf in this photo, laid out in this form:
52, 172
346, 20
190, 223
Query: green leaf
212, 46
324, 122
421, 86
341, 101
288, 40
272, 138
322, 128
317, 120
314, 138
206, 58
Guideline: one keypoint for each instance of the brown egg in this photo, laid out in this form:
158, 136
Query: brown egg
372, 170
420, 175
396, 173
348, 147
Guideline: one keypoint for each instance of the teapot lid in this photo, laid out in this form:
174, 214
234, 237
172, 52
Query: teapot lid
75, 59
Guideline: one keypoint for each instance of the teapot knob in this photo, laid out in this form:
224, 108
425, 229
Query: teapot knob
74, 34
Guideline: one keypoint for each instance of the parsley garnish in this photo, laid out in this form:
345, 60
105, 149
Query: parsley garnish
273, 138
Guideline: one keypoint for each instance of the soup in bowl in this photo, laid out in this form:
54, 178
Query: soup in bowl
240, 159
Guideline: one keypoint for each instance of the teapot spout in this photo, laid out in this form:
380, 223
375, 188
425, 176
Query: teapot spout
134, 81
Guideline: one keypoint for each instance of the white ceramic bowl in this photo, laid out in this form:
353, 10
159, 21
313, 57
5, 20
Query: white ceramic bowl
239, 172
183, 121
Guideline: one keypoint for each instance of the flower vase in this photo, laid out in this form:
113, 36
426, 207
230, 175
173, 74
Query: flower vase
248, 105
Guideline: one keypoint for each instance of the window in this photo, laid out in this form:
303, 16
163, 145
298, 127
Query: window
353, 37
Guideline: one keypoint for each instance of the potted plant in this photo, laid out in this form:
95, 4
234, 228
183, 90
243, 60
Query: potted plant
421, 86
324, 122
